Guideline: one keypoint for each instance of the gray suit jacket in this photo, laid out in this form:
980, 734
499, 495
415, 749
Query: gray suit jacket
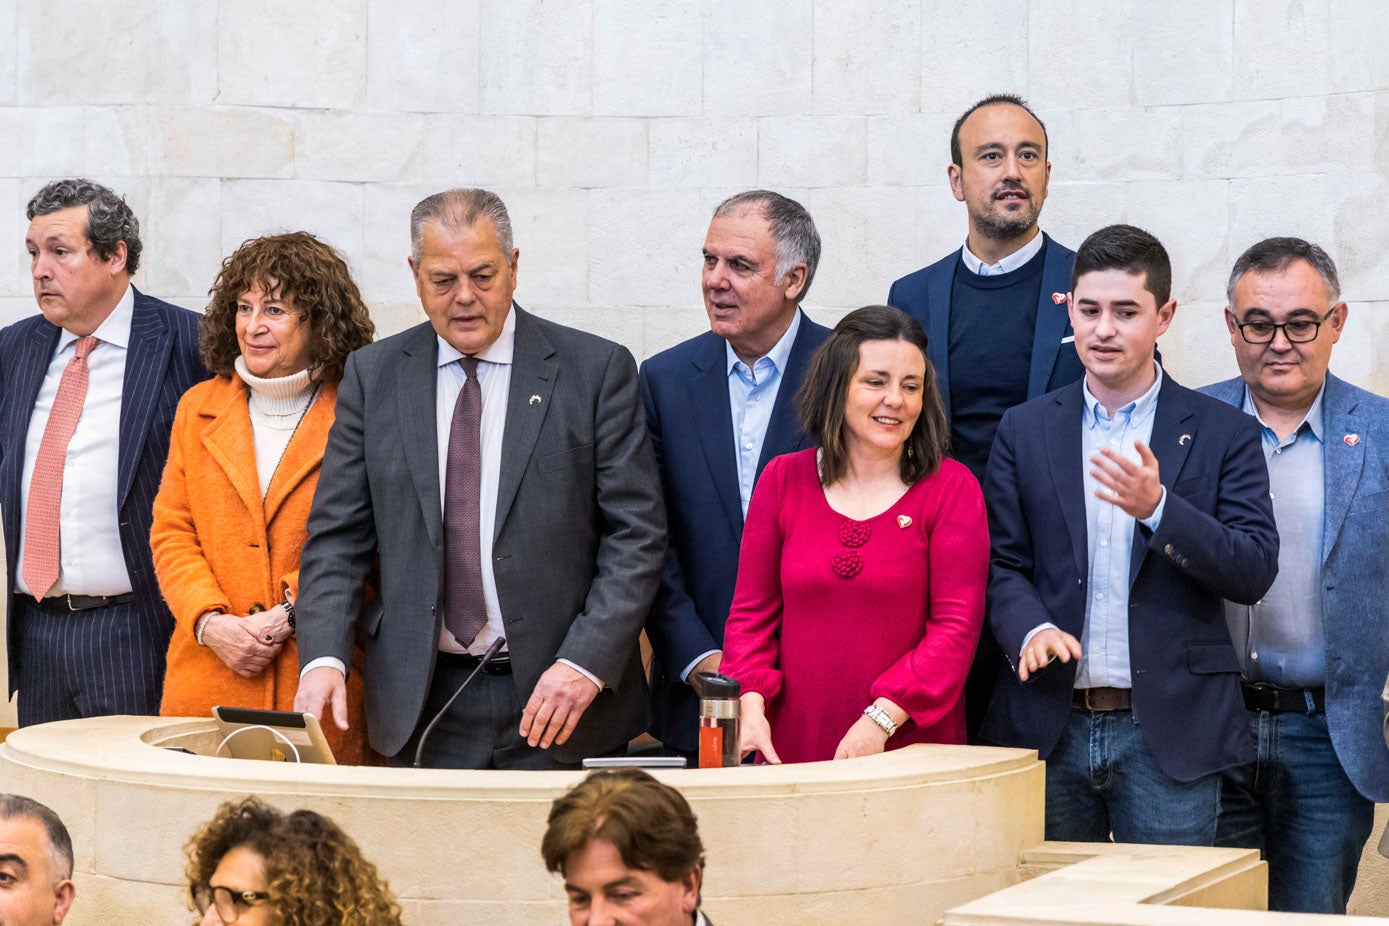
1354, 567
578, 541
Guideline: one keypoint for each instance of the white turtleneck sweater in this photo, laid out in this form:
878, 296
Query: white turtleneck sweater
277, 406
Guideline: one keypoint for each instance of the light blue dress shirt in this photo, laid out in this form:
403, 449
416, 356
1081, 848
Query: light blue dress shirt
751, 395
1104, 639
1109, 532
1282, 639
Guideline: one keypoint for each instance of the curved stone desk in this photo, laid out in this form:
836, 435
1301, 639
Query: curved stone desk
892, 839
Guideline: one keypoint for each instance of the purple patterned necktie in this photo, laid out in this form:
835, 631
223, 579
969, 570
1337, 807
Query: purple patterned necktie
465, 608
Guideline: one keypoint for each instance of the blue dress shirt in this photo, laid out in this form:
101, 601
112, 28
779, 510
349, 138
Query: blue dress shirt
1282, 639
751, 395
1104, 639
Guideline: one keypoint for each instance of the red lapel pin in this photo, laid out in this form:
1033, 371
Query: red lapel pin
1058, 298
1351, 439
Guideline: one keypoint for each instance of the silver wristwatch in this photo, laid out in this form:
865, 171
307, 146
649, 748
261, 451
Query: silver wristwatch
882, 718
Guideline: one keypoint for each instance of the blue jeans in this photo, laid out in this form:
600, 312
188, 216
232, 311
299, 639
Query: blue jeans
1102, 779
1296, 806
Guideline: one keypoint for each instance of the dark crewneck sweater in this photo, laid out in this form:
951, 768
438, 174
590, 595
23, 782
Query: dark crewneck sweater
992, 321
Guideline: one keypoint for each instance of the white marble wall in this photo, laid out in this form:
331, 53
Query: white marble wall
612, 127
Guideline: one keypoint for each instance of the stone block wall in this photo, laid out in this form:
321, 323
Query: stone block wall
612, 128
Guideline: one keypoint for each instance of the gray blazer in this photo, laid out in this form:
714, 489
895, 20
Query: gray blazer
578, 543
1355, 574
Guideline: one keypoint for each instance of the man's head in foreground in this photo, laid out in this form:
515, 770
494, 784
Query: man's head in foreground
35, 864
629, 850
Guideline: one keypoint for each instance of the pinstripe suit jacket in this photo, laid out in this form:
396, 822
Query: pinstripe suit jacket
161, 364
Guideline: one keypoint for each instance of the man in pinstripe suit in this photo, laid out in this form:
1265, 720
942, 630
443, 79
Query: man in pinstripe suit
87, 396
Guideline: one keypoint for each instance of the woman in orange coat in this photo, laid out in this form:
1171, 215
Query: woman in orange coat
231, 515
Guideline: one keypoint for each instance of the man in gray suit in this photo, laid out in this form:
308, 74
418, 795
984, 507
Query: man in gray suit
1314, 651
497, 467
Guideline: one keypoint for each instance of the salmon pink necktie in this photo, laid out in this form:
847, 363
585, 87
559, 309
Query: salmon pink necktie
41, 546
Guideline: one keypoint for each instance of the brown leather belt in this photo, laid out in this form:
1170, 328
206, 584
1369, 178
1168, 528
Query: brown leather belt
65, 603
1275, 700
1102, 699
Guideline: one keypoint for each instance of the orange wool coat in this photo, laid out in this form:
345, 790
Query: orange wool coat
218, 546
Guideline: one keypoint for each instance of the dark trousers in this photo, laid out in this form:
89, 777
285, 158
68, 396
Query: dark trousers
979, 685
1102, 778
1296, 805
479, 731
91, 663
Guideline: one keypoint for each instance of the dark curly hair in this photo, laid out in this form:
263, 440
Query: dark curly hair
110, 220
316, 874
302, 268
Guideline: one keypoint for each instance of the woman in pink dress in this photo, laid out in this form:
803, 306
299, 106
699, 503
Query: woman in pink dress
860, 592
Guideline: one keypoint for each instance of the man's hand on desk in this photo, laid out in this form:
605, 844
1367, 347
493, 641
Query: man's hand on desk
323, 687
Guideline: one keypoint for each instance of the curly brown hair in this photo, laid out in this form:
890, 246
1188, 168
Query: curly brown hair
317, 875
298, 266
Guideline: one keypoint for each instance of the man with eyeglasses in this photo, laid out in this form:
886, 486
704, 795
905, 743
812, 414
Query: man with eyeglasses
1315, 649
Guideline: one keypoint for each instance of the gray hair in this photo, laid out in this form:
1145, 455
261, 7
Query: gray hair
457, 210
58, 845
109, 218
793, 230
1274, 254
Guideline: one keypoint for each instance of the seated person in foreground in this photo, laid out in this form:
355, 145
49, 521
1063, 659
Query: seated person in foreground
35, 864
232, 511
860, 591
628, 848
255, 866
1123, 508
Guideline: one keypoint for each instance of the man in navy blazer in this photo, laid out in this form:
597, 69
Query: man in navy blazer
1315, 649
994, 311
719, 406
88, 629
1123, 508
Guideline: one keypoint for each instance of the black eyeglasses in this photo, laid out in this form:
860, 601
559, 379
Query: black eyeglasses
229, 903
1297, 331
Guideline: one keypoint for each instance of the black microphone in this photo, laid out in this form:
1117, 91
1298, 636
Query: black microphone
487, 657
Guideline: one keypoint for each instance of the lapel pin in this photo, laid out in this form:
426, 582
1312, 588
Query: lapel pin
1058, 298
904, 521
535, 400
1351, 439
1183, 440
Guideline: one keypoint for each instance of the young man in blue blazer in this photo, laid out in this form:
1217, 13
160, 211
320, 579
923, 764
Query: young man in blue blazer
1315, 648
1123, 508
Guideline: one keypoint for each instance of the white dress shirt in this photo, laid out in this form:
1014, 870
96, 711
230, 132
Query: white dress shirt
91, 560
1008, 264
494, 375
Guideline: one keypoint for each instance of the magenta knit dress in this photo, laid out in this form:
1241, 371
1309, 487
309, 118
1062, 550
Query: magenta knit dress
830, 613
